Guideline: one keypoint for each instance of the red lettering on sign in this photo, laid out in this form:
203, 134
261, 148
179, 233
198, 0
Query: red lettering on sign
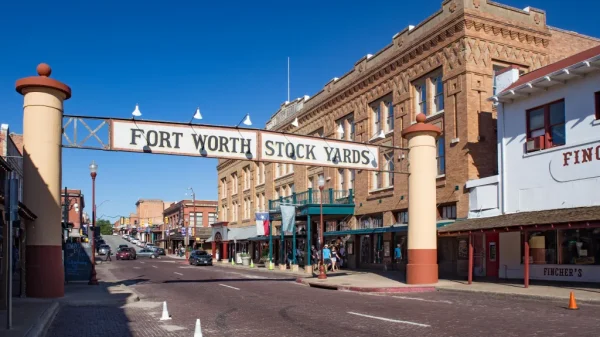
576, 157
567, 156
586, 154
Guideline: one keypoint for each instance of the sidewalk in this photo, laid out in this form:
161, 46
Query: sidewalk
32, 317
366, 281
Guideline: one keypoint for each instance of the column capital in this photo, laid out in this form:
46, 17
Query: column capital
42, 80
420, 127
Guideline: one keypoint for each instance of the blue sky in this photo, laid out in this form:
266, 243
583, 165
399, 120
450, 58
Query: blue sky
228, 57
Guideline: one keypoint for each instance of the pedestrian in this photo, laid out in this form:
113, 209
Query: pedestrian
326, 257
398, 253
108, 254
315, 257
334, 259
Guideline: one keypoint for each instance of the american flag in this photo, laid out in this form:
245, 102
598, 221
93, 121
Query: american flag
262, 223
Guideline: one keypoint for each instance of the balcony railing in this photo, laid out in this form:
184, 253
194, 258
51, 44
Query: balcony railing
313, 197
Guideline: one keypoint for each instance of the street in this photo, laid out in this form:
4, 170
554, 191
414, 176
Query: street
233, 302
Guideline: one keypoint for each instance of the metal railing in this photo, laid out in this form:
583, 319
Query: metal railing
313, 197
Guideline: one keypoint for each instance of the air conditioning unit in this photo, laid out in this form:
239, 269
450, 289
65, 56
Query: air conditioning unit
535, 144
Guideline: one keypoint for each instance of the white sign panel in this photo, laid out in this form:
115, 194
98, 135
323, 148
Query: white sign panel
564, 272
576, 163
305, 150
190, 140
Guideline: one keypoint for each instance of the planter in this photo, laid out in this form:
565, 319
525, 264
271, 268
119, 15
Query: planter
245, 260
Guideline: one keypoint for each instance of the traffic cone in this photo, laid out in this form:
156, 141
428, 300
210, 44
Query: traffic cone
251, 263
271, 266
198, 330
165, 314
572, 303
232, 262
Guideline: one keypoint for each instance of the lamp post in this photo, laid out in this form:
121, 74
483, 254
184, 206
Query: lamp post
93, 172
194, 202
322, 274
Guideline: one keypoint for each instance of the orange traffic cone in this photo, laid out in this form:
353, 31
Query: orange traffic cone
572, 303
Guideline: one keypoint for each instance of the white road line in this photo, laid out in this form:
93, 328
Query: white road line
137, 267
390, 320
178, 273
155, 266
142, 262
224, 285
422, 299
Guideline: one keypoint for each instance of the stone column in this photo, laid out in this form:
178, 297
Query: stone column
42, 161
225, 253
422, 265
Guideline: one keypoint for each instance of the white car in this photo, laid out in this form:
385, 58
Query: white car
134, 241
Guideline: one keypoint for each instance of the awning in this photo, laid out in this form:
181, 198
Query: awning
239, 233
389, 229
75, 234
547, 217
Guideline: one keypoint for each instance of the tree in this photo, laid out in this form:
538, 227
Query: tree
105, 226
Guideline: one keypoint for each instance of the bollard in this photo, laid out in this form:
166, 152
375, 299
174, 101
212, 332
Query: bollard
165, 313
198, 329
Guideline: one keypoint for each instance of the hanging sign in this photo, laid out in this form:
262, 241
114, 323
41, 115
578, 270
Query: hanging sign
242, 144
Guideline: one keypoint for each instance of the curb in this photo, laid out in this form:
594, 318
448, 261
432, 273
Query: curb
45, 321
366, 289
517, 296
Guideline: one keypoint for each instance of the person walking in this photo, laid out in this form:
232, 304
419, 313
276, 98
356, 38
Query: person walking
326, 256
398, 254
108, 254
334, 259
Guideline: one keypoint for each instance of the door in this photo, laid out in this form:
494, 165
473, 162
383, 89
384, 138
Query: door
479, 252
493, 258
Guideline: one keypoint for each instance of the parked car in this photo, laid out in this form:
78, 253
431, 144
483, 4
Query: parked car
141, 244
151, 246
160, 251
123, 246
104, 249
200, 257
147, 253
126, 254
134, 241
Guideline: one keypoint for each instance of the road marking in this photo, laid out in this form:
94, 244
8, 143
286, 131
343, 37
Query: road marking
155, 266
137, 267
224, 285
178, 273
390, 320
422, 299
142, 262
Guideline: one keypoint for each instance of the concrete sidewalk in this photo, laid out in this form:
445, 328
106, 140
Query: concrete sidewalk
366, 281
33, 317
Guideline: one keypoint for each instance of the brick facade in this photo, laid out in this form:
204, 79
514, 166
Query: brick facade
75, 207
463, 42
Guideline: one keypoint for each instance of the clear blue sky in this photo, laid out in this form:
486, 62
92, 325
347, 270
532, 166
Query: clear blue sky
228, 57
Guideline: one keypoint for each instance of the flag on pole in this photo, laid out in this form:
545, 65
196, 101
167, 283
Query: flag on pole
288, 217
262, 223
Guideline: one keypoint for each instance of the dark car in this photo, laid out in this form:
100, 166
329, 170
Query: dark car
200, 257
123, 246
147, 253
160, 251
126, 254
103, 249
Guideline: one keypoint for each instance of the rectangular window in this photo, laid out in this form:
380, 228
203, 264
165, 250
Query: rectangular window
389, 160
377, 119
441, 156
447, 212
212, 218
352, 177
377, 180
340, 180
402, 217
597, 104
547, 121
438, 99
223, 188
421, 98
352, 128
234, 180
390, 116
340, 130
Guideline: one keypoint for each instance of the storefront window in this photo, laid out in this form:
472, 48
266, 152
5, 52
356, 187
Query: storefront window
542, 247
579, 246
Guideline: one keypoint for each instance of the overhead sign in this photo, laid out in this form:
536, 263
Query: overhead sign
189, 140
576, 163
232, 143
277, 147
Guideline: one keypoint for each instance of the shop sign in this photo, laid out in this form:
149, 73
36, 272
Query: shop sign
243, 144
565, 272
576, 163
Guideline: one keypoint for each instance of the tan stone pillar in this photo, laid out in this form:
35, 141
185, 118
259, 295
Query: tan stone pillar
42, 132
422, 265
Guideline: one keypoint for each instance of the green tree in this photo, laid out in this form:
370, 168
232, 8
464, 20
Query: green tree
106, 227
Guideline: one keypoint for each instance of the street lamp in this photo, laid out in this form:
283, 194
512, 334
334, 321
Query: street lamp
322, 274
93, 173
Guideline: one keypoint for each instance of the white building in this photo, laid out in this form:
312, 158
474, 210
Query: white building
548, 186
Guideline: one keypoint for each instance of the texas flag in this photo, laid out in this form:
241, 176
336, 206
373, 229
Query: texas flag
262, 223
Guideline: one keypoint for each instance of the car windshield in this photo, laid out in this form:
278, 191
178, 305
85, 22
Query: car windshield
201, 253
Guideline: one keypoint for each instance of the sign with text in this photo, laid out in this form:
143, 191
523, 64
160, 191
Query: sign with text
576, 163
242, 144
305, 150
187, 140
565, 272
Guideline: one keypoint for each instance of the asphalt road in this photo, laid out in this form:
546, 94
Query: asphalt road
232, 302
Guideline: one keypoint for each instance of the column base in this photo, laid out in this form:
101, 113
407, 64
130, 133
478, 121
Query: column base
282, 267
295, 267
308, 270
45, 274
422, 266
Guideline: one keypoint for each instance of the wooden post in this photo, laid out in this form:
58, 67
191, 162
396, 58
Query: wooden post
526, 262
470, 273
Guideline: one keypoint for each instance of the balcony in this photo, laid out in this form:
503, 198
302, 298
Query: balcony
312, 197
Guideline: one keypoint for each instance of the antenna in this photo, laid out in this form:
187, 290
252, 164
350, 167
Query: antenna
288, 79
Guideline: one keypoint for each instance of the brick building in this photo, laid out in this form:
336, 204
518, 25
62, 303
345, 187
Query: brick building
145, 223
73, 203
443, 67
198, 217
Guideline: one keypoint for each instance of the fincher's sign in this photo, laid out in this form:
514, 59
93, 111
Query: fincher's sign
243, 144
